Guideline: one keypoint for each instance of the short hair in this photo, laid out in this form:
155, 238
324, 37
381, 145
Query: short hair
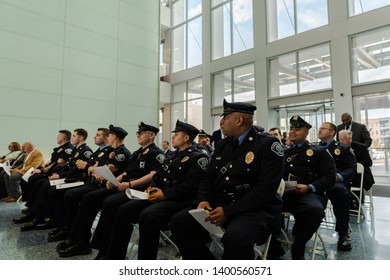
15, 146
66, 133
247, 119
104, 130
166, 142
81, 132
276, 128
332, 126
348, 133
346, 115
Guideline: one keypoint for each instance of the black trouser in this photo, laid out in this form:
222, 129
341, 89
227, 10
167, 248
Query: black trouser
341, 200
34, 184
41, 207
241, 234
90, 205
3, 189
308, 211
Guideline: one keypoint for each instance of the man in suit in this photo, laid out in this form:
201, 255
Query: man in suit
239, 190
359, 131
216, 137
167, 152
34, 158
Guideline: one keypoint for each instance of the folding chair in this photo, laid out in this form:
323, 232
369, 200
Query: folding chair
359, 211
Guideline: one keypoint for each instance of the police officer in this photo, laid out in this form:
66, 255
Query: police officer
141, 166
173, 188
239, 191
339, 195
64, 213
314, 170
41, 207
204, 140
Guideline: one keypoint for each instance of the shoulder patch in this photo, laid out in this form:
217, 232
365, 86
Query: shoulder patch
277, 148
68, 151
203, 163
88, 154
160, 158
120, 157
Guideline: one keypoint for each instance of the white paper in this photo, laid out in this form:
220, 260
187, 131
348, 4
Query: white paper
290, 186
69, 185
57, 182
200, 215
134, 194
7, 167
28, 174
106, 173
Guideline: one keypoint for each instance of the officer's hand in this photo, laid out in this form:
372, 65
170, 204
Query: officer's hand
109, 185
55, 176
204, 205
45, 169
36, 171
301, 189
217, 216
123, 186
157, 196
81, 164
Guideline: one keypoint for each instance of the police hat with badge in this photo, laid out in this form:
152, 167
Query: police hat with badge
147, 127
297, 122
118, 131
189, 129
240, 107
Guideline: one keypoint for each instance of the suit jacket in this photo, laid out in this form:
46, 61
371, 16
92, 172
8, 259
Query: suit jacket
34, 160
216, 137
359, 133
363, 157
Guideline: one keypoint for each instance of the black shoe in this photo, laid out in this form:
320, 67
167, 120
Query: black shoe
65, 244
29, 226
55, 231
46, 224
23, 219
25, 211
78, 249
59, 236
344, 243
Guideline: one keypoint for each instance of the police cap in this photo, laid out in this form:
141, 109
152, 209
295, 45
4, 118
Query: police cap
191, 130
297, 122
118, 131
202, 133
146, 127
241, 107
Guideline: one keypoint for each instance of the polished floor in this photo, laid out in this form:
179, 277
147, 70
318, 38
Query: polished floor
370, 238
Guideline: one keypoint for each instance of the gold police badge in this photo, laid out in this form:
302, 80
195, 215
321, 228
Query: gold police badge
59, 150
249, 157
185, 159
112, 155
309, 152
337, 152
101, 154
76, 154
146, 151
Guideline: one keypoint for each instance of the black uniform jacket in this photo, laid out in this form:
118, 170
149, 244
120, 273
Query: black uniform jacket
244, 178
180, 175
311, 164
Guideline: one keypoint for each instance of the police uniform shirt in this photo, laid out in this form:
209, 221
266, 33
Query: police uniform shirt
344, 159
84, 153
143, 161
244, 178
119, 157
100, 156
180, 175
310, 164
203, 149
61, 152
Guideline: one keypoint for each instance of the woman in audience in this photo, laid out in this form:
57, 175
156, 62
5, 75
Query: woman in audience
15, 150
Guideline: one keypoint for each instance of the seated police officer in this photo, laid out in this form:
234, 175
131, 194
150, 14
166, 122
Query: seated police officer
314, 170
239, 190
141, 167
204, 140
339, 195
173, 188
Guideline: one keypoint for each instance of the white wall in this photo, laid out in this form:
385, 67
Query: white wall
66, 64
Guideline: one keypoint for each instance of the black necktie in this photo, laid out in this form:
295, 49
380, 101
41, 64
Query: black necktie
347, 127
323, 143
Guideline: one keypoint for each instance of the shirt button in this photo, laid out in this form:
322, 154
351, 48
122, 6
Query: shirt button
165, 179
231, 166
227, 178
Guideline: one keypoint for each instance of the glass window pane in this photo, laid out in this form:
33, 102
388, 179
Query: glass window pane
195, 89
221, 32
222, 88
281, 19
242, 25
195, 113
371, 56
361, 6
178, 112
283, 79
244, 83
194, 8
311, 14
179, 92
216, 2
179, 50
194, 42
178, 12
314, 69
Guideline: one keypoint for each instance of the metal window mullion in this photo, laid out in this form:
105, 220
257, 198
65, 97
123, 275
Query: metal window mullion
232, 82
295, 17
297, 71
231, 28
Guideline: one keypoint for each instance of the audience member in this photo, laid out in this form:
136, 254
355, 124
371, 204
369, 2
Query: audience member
359, 131
167, 151
14, 150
